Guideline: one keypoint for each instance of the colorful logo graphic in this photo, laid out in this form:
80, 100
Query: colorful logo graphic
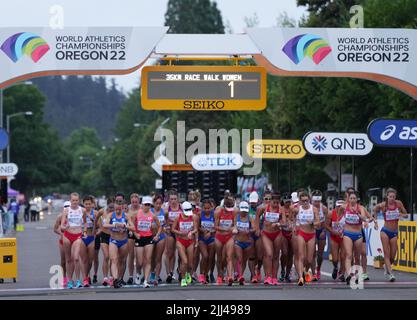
25, 43
319, 143
309, 45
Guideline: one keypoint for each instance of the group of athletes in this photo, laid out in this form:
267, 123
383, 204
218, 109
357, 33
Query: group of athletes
272, 233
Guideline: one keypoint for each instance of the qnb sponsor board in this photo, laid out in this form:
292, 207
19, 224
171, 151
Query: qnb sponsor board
8, 169
382, 55
393, 132
219, 161
31, 52
203, 88
338, 144
276, 149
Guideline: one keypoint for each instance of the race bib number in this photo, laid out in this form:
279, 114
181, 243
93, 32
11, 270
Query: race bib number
207, 225
352, 219
75, 220
186, 226
161, 220
226, 223
144, 225
392, 215
242, 226
306, 219
172, 215
272, 216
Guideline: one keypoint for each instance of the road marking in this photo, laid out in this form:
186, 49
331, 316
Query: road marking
41, 228
326, 274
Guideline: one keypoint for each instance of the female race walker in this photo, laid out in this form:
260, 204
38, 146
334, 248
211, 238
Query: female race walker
307, 219
206, 240
392, 210
185, 228
72, 221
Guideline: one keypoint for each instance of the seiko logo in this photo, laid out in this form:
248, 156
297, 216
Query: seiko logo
7, 244
203, 105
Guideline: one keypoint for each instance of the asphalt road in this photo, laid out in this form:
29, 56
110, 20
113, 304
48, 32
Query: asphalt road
38, 252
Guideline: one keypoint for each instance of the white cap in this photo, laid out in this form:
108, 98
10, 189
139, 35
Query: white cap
187, 208
294, 197
67, 204
244, 206
147, 200
253, 197
340, 203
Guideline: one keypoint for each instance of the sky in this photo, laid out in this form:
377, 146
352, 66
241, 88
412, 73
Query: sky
84, 13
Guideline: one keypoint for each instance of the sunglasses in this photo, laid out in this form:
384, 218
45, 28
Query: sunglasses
146, 204
267, 199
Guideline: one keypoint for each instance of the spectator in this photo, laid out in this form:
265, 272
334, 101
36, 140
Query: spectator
26, 216
33, 210
14, 207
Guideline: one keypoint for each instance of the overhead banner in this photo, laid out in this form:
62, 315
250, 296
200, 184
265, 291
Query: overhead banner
217, 161
393, 132
337, 144
276, 149
383, 55
33, 52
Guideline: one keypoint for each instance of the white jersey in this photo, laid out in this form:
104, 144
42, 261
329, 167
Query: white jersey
305, 216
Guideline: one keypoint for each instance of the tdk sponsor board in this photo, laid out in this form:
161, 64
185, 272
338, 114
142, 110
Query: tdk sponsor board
393, 132
217, 161
337, 144
203, 88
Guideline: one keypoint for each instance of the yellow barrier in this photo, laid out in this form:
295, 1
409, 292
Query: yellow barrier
8, 259
406, 259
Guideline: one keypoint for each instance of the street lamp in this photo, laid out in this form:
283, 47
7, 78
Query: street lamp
26, 113
28, 83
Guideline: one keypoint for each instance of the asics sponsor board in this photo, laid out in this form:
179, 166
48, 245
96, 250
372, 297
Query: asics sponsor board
276, 149
393, 132
32, 52
203, 88
406, 259
217, 161
337, 144
382, 55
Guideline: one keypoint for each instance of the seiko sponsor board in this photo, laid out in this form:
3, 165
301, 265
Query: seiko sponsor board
393, 132
276, 149
217, 161
337, 144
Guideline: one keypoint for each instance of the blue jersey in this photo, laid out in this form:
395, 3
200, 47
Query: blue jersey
161, 217
243, 225
207, 223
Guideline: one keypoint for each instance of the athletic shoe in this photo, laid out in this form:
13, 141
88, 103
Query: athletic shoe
78, 284
183, 283
175, 278
342, 278
348, 279
159, 280
188, 278
194, 276
259, 277
65, 282
117, 284
146, 284
137, 280
152, 277
212, 279
111, 282
242, 281
169, 278
70, 285
315, 278
268, 281
130, 281
334, 273
318, 274
365, 277
300, 282
201, 278
391, 277
274, 281
282, 276
219, 280
86, 283
230, 281
385, 270
105, 282
235, 276
308, 277
141, 280
254, 279
95, 279
89, 280
287, 279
